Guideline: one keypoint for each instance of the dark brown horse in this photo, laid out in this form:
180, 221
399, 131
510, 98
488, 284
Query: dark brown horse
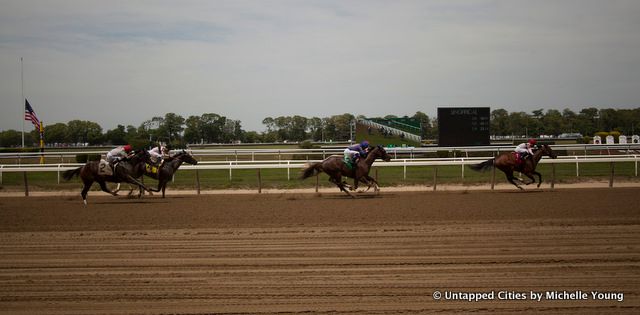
335, 167
89, 173
506, 162
166, 171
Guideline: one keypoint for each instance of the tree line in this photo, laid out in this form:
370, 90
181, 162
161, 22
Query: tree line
587, 122
177, 131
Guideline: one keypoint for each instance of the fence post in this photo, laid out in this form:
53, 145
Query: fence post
404, 174
611, 175
462, 168
26, 185
577, 167
289, 170
435, 177
259, 182
553, 175
197, 181
230, 175
59, 174
3, 166
493, 177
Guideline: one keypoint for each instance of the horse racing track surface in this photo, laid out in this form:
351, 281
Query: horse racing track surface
396, 253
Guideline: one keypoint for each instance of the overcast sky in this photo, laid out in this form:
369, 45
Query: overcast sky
122, 62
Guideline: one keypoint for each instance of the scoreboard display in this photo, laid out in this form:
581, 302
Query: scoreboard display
463, 126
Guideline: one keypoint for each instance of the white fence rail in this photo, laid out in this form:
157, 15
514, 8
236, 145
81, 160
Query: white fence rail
410, 152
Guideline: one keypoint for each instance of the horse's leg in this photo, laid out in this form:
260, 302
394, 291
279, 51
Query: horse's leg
372, 182
511, 178
134, 181
533, 180
85, 189
164, 186
539, 177
118, 189
338, 181
103, 186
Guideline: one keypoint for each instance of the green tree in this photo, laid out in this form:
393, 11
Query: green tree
552, 122
56, 133
252, 137
193, 130
314, 125
13, 138
172, 127
298, 128
518, 124
569, 120
499, 123
84, 131
425, 123
343, 126
116, 136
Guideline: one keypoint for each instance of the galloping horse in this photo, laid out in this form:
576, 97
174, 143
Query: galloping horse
89, 173
506, 162
336, 168
165, 173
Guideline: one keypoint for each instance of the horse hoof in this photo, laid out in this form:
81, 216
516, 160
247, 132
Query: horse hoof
84, 201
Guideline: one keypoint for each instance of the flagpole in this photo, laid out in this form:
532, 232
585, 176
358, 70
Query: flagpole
24, 108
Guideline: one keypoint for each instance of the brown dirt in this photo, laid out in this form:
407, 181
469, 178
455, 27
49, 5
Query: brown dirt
306, 253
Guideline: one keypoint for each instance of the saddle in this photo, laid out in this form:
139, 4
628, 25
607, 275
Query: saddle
519, 159
348, 162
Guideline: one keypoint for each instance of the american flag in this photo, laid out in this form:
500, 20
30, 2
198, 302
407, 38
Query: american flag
29, 114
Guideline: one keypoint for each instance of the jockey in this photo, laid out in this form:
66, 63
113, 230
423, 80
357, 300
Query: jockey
158, 154
353, 152
526, 148
119, 153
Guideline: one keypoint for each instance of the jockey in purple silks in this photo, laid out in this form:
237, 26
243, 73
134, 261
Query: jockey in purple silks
353, 152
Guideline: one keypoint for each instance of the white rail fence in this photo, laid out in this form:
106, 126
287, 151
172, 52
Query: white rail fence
303, 154
296, 165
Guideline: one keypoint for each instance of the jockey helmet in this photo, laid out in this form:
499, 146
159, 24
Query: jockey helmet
127, 148
364, 144
532, 141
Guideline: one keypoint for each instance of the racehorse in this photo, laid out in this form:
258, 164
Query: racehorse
89, 173
164, 173
507, 163
335, 167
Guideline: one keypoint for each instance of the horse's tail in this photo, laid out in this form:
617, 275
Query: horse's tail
482, 166
312, 169
68, 175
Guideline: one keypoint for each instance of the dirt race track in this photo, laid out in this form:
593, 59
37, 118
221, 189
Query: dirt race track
307, 253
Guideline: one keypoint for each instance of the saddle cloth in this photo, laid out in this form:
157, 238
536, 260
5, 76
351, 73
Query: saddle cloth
104, 168
151, 168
